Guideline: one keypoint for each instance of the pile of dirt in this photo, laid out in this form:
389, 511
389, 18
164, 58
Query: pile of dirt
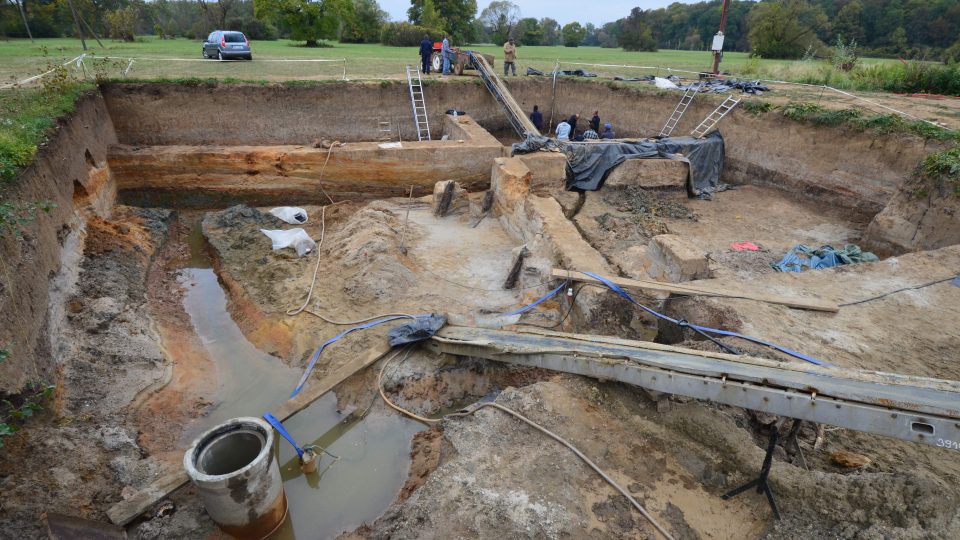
649, 202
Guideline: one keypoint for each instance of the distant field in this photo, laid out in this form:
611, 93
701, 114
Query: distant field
19, 59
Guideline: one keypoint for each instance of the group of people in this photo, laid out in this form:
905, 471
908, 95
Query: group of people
449, 56
567, 129
447, 53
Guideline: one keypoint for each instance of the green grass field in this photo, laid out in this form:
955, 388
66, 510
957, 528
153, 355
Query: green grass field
20, 59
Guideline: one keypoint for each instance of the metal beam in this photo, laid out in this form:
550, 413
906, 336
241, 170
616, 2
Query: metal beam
915, 409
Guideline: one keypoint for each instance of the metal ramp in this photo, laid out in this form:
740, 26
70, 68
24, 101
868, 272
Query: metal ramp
916, 409
685, 102
419, 104
714, 118
518, 119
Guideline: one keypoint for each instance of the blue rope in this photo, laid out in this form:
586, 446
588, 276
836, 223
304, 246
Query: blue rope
617, 289
334, 339
528, 307
277, 425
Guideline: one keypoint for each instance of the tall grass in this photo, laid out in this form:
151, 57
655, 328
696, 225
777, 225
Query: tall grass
898, 77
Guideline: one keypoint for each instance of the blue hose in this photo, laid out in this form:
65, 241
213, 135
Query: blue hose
277, 425
619, 290
528, 307
334, 339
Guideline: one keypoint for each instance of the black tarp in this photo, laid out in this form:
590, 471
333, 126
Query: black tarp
589, 164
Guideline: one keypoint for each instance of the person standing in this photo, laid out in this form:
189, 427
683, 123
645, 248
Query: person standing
572, 121
537, 118
608, 132
563, 131
595, 121
426, 51
509, 57
446, 51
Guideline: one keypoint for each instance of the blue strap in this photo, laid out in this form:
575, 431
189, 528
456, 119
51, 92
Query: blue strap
528, 307
275, 422
334, 339
619, 290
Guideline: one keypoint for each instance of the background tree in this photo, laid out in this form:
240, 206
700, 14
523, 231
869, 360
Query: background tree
459, 14
364, 22
573, 34
308, 20
590, 39
609, 35
122, 23
785, 28
635, 34
529, 31
499, 19
551, 32
430, 17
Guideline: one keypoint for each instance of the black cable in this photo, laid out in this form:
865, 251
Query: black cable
879, 296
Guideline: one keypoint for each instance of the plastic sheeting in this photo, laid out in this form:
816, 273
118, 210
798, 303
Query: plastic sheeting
297, 238
416, 330
802, 257
589, 165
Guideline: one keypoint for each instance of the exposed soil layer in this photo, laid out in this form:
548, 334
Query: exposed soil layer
77, 147
79, 456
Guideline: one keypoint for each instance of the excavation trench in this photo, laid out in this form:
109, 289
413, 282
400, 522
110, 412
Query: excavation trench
169, 322
372, 444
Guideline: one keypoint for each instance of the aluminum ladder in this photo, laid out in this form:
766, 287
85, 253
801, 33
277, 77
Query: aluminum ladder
685, 102
419, 104
714, 118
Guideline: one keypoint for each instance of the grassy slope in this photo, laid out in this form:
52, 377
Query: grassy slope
20, 58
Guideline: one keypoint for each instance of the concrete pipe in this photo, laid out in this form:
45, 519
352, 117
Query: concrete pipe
235, 470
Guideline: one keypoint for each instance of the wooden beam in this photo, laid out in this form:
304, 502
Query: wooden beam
700, 289
127, 510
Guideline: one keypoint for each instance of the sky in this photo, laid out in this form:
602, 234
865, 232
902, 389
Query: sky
564, 11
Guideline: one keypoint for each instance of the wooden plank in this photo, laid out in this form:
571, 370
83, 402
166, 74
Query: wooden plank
127, 510
689, 289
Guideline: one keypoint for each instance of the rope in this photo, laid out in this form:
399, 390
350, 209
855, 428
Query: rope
323, 230
914, 287
538, 427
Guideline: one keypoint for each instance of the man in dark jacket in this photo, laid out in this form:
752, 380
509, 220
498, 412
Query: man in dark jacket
537, 118
426, 51
595, 121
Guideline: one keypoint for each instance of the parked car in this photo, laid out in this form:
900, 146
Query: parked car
226, 44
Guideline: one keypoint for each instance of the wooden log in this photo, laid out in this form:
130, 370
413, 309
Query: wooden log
127, 510
700, 289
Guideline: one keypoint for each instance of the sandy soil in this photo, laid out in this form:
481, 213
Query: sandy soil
79, 456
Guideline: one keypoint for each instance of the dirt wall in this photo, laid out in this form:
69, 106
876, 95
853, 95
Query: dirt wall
72, 160
212, 176
843, 167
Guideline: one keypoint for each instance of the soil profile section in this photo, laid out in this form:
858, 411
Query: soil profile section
70, 168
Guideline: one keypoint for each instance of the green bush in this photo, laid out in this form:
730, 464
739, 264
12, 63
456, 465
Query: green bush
913, 77
404, 34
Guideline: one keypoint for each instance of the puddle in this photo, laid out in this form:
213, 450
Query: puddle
374, 450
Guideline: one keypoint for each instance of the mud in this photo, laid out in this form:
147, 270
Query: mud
153, 314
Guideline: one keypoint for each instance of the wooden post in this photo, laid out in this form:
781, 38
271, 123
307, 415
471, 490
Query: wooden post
76, 22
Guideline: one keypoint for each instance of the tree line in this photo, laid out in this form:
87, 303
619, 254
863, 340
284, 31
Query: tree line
769, 28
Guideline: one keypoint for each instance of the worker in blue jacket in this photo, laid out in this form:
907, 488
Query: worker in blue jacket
426, 51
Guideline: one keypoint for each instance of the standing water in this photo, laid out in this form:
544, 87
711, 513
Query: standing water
373, 449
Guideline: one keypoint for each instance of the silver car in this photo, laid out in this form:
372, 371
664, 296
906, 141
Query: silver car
226, 44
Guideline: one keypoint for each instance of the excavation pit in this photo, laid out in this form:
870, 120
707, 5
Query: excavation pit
168, 312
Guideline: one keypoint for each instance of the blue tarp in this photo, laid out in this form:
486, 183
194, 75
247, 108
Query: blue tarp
803, 257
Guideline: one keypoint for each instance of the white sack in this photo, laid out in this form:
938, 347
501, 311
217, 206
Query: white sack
298, 239
291, 214
664, 83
